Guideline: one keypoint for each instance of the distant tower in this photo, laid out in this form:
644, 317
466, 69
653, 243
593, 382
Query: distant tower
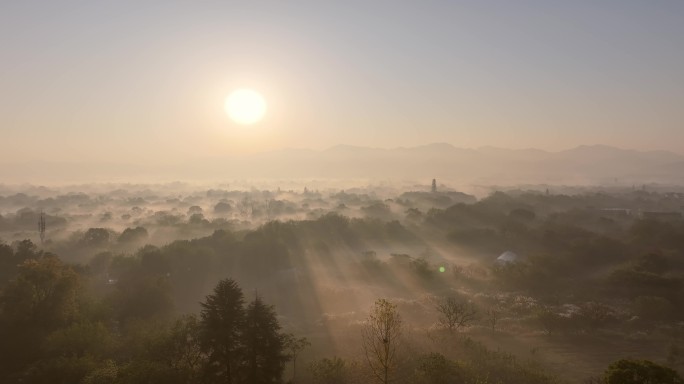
434, 185
41, 227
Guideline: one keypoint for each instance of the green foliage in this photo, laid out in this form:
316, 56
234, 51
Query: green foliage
263, 344
124, 333
659, 234
482, 365
640, 372
60, 370
435, 368
417, 266
294, 346
632, 283
169, 349
475, 237
100, 263
44, 294
329, 371
522, 214
142, 297
42, 298
377, 209
146, 372
25, 250
133, 235
95, 237
182, 349
531, 276
583, 249
222, 207
222, 321
106, 374
241, 344
81, 339
8, 263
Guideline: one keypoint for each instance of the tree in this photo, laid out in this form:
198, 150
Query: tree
640, 372
294, 346
83, 338
434, 185
381, 336
96, 237
43, 297
140, 296
435, 368
263, 344
222, 207
25, 250
522, 214
8, 263
454, 314
133, 235
43, 294
329, 371
493, 316
104, 375
183, 351
222, 319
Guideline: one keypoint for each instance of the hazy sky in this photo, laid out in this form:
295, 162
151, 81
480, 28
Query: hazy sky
146, 80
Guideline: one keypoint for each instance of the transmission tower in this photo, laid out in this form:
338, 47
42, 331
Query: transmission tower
41, 227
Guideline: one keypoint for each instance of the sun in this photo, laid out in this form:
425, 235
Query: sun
245, 106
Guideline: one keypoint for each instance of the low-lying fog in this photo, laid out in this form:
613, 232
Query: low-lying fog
587, 275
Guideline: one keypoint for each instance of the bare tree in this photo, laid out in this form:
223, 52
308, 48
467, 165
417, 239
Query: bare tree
493, 316
381, 336
294, 346
454, 314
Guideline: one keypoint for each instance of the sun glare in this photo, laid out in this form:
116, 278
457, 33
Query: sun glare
245, 106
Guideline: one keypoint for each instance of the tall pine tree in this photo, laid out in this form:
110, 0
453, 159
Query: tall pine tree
263, 345
222, 321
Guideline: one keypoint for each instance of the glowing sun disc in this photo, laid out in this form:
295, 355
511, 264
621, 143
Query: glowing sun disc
245, 106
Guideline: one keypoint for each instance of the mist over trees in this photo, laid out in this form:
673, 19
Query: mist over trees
342, 286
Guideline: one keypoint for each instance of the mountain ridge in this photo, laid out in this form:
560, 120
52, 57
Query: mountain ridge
581, 164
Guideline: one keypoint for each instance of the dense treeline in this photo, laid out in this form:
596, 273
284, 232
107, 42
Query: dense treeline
143, 316
53, 332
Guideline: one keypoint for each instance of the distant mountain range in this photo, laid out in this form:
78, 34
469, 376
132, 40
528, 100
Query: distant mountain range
580, 165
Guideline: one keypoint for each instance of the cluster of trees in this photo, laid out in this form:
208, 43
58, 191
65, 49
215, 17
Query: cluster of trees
628, 371
115, 317
389, 356
54, 331
385, 353
242, 344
